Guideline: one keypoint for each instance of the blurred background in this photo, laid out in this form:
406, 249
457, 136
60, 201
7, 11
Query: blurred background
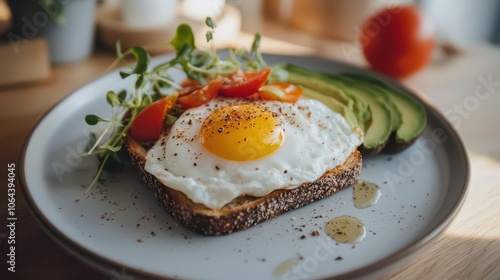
74, 28
49, 48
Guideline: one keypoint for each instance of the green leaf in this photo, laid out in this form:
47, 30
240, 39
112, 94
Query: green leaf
209, 35
256, 43
115, 157
199, 59
140, 81
93, 119
141, 64
183, 37
142, 58
182, 57
146, 101
112, 99
122, 95
210, 23
195, 76
124, 74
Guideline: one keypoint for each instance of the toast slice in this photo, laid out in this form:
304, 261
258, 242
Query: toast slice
245, 211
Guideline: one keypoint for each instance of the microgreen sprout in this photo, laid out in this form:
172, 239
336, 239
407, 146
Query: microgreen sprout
152, 83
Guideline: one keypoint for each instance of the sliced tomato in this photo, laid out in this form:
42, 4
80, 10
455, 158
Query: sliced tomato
190, 82
201, 95
188, 86
148, 123
280, 91
241, 84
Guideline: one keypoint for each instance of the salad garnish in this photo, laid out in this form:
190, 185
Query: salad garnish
153, 83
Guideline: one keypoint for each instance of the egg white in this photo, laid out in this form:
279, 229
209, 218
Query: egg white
316, 139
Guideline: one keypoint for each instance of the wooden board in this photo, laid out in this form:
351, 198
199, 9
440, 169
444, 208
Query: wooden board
24, 61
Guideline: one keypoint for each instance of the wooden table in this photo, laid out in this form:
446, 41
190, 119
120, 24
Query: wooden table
469, 249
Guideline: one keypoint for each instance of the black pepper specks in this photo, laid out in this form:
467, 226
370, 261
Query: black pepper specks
277, 203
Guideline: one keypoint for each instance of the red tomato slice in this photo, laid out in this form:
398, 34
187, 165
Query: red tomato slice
201, 95
190, 82
241, 84
280, 91
188, 86
148, 123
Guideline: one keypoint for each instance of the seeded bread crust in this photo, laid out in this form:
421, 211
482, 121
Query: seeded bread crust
242, 212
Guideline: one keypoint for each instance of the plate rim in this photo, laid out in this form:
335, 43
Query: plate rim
106, 265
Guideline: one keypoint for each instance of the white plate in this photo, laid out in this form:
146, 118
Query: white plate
121, 229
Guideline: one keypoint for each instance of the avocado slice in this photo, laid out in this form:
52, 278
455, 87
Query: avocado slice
370, 109
361, 107
413, 114
320, 82
379, 127
333, 104
380, 92
396, 116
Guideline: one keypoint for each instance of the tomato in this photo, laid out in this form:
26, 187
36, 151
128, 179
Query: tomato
147, 125
190, 82
280, 91
241, 84
398, 41
188, 86
200, 95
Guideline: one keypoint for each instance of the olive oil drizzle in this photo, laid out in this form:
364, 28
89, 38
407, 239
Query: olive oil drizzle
365, 194
286, 266
345, 229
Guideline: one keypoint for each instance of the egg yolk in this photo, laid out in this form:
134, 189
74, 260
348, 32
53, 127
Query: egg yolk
241, 132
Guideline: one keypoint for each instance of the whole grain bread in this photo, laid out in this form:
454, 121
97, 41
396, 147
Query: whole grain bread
246, 211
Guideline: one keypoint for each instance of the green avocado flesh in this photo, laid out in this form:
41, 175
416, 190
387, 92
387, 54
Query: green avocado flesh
382, 95
413, 114
390, 119
379, 127
320, 82
333, 104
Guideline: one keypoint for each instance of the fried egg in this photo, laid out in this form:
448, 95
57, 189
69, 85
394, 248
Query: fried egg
232, 147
